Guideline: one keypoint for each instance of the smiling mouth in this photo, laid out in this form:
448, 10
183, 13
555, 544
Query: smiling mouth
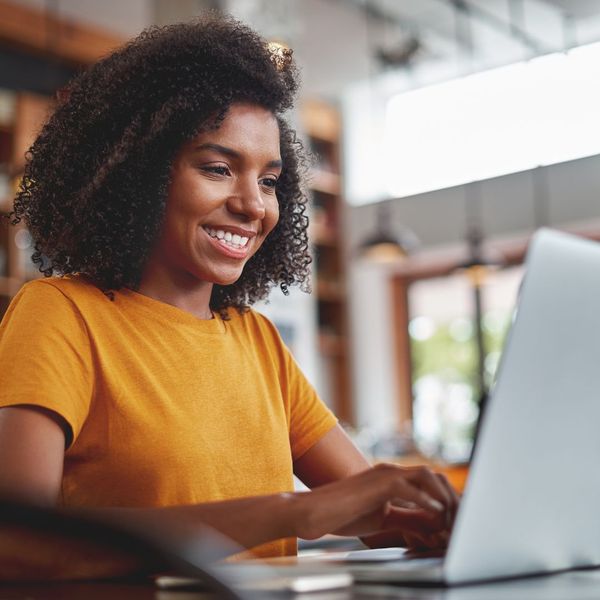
232, 240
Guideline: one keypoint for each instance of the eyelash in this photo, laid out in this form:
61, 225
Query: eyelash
217, 170
269, 182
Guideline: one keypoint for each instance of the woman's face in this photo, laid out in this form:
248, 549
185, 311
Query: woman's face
221, 203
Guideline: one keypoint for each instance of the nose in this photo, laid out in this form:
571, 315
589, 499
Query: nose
247, 200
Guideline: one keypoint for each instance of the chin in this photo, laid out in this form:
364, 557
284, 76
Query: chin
222, 279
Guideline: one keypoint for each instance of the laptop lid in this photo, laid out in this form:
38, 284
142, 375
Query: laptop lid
532, 502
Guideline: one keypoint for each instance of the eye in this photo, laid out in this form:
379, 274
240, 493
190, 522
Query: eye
269, 182
217, 170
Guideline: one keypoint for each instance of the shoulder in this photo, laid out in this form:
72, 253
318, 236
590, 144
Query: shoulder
43, 309
72, 287
50, 296
260, 331
253, 321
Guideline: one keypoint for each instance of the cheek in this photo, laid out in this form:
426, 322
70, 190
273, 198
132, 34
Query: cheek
269, 223
179, 232
272, 216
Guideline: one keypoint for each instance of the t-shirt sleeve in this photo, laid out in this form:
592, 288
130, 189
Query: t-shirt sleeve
45, 354
310, 418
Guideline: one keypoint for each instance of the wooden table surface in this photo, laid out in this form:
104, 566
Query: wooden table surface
574, 585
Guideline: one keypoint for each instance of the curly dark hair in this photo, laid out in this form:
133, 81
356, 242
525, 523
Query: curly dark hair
95, 185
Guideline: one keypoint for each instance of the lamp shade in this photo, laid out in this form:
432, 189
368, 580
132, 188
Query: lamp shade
388, 244
384, 248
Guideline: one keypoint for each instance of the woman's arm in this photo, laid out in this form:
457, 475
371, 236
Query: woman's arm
336, 457
32, 444
32, 447
333, 457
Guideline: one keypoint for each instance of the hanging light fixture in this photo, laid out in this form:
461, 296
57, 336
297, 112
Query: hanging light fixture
479, 263
387, 244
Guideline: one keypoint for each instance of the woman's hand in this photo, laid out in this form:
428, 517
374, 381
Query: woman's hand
421, 542
410, 506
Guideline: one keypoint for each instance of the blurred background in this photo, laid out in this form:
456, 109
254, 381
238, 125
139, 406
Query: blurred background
444, 133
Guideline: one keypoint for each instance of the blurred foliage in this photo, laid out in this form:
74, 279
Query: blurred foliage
445, 382
455, 359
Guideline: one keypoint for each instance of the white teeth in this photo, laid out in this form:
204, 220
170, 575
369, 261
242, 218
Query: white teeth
227, 238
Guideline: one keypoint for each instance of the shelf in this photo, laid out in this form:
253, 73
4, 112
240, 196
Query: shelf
321, 121
323, 235
332, 345
330, 291
72, 42
325, 182
28, 114
9, 286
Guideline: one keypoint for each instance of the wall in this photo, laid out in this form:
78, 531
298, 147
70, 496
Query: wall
329, 39
373, 358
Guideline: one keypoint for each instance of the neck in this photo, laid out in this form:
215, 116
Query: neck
178, 289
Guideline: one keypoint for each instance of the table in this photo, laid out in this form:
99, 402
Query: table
574, 585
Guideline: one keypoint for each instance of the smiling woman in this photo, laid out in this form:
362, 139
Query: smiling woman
164, 197
221, 206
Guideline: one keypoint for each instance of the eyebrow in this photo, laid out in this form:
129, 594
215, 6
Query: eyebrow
276, 164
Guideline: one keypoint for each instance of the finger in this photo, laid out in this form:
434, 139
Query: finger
437, 541
359, 503
419, 543
454, 498
399, 503
365, 525
417, 521
439, 488
410, 541
406, 486
386, 539
427, 480
444, 538
425, 552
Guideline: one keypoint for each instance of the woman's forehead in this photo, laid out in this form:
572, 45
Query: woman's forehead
244, 127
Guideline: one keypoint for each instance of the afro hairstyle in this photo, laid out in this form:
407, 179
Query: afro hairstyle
96, 179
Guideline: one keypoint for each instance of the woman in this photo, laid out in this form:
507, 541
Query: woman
165, 193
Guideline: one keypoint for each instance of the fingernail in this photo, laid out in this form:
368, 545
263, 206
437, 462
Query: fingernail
436, 505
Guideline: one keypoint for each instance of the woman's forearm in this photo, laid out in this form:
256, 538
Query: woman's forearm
30, 554
246, 521
360, 505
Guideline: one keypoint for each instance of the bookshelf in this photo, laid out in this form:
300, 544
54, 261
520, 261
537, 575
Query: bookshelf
322, 126
55, 41
21, 116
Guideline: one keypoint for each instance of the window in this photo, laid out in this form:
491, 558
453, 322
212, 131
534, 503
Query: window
444, 355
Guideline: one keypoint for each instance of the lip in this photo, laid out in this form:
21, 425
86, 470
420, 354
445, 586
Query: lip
228, 251
249, 233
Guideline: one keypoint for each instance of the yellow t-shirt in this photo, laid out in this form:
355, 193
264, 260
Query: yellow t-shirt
165, 409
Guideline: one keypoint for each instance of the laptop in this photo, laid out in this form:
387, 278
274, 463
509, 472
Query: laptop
532, 501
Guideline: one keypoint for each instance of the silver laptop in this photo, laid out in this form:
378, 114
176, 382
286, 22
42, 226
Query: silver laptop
532, 502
